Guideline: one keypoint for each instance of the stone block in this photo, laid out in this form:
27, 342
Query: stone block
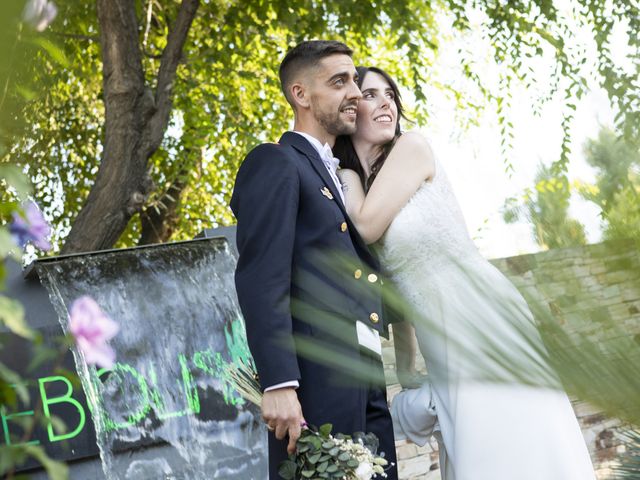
580, 271
630, 293
619, 263
406, 451
521, 264
597, 268
415, 466
564, 301
600, 315
610, 291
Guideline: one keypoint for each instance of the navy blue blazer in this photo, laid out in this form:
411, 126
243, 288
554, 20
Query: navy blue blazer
290, 220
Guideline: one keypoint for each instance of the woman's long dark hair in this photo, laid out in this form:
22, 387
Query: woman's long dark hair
343, 148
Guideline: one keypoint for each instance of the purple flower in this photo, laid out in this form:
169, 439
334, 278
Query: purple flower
30, 228
92, 328
39, 13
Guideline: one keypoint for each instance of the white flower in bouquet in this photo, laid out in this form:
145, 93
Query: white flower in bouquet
364, 471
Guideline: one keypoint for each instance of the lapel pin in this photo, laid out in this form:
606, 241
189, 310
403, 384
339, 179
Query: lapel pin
325, 191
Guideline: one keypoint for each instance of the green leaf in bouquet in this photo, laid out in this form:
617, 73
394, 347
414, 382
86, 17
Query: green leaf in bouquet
313, 459
315, 442
338, 474
334, 451
308, 473
325, 430
344, 456
328, 445
369, 440
352, 463
323, 466
287, 470
332, 469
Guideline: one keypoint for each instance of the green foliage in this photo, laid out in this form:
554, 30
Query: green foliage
596, 359
13, 456
616, 192
12, 316
547, 211
629, 462
617, 188
18, 88
226, 95
13, 390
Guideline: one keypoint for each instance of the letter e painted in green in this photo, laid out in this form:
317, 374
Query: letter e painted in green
5, 425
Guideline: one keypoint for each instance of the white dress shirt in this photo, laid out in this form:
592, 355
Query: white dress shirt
330, 162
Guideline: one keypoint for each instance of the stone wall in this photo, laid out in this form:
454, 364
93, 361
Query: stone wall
597, 282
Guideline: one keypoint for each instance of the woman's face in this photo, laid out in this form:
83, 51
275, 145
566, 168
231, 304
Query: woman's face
377, 111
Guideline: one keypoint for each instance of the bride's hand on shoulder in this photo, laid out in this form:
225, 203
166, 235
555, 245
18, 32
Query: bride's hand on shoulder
346, 173
350, 180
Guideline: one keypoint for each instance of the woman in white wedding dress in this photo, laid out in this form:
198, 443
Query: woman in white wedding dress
493, 421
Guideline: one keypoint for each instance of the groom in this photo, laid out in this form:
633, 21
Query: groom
289, 206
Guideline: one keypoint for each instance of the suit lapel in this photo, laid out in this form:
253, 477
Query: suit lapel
303, 146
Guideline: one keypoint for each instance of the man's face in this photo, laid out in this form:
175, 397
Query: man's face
334, 94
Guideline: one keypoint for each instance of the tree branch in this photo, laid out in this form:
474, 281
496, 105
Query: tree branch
167, 72
78, 36
120, 187
158, 221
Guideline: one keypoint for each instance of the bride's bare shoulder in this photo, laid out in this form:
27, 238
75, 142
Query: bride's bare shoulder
414, 138
415, 146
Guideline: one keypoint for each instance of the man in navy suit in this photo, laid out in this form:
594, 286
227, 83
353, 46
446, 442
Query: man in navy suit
289, 206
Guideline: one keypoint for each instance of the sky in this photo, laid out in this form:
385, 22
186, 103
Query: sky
472, 156
476, 169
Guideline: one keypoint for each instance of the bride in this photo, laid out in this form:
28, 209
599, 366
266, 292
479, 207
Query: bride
491, 422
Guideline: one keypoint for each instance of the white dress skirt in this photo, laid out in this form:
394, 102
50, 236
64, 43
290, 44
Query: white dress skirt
497, 411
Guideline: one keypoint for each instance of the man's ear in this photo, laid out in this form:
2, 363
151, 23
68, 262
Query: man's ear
300, 95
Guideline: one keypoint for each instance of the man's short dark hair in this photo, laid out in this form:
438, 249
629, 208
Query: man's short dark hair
305, 55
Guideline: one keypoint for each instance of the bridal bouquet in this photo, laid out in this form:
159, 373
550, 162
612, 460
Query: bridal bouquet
319, 455
322, 455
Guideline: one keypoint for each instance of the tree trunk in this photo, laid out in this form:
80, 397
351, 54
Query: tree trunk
135, 122
158, 221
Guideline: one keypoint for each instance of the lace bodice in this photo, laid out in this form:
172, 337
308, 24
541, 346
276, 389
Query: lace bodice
428, 233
